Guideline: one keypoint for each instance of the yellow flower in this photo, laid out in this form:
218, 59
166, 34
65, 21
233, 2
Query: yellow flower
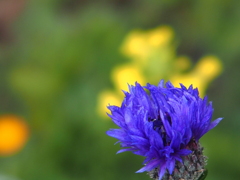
208, 68
13, 134
107, 97
160, 36
152, 57
126, 74
121, 77
140, 45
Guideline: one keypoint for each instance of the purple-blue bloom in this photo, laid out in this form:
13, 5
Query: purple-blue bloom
161, 123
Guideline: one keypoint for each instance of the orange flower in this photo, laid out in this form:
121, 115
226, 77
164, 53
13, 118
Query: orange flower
13, 134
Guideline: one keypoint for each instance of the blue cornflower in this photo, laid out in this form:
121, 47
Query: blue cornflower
164, 124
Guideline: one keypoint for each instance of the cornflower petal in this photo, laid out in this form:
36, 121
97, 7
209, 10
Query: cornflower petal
214, 123
162, 170
171, 166
164, 124
151, 165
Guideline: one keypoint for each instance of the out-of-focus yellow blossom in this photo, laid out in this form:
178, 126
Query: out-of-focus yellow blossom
13, 134
107, 97
160, 36
208, 68
153, 57
140, 45
121, 75
151, 51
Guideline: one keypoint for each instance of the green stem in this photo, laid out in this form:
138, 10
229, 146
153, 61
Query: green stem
204, 175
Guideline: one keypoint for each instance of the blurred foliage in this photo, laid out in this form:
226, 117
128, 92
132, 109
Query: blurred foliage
56, 57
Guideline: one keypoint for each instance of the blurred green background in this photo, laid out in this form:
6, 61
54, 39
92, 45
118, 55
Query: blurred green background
56, 56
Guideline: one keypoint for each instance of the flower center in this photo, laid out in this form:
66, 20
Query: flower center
159, 127
167, 151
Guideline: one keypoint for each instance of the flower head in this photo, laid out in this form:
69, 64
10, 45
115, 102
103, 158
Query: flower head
164, 124
14, 133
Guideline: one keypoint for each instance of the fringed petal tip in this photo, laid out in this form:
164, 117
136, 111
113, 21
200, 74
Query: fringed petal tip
123, 150
149, 166
161, 172
214, 123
